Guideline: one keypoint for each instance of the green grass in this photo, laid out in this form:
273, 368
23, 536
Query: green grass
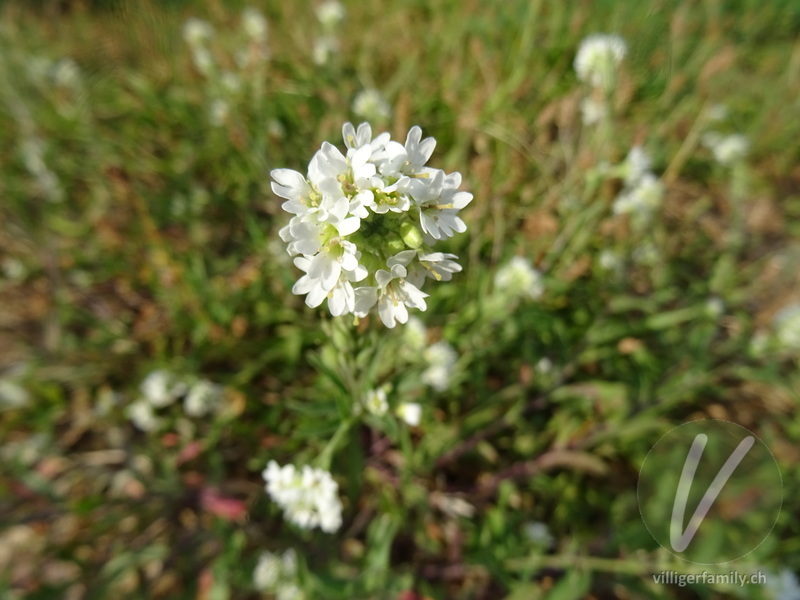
153, 243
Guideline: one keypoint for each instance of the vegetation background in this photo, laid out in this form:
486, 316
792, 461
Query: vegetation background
138, 232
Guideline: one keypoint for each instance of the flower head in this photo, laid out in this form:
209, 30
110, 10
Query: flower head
277, 574
375, 402
410, 412
365, 222
254, 24
370, 104
441, 359
518, 279
727, 149
202, 398
787, 328
309, 497
161, 388
330, 13
597, 59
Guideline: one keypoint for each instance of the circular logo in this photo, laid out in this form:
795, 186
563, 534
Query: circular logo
710, 491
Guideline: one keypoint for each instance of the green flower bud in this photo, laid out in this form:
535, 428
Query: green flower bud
395, 243
411, 235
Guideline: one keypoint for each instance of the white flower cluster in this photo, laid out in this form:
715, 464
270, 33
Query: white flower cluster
597, 59
727, 149
365, 223
643, 191
518, 279
330, 14
309, 496
787, 328
441, 359
223, 86
277, 574
370, 104
162, 388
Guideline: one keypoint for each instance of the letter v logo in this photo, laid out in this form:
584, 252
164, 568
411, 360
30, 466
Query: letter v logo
680, 538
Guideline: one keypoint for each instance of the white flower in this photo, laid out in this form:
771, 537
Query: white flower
370, 104
441, 359
714, 308
67, 74
375, 402
254, 24
277, 574
308, 497
439, 201
196, 32
787, 328
202, 398
330, 14
539, 534
637, 164
161, 388
784, 586
325, 46
142, 415
218, 112
415, 335
646, 253
727, 149
610, 260
597, 59
393, 294
518, 279
365, 223
643, 200
203, 60
230, 82
718, 112
410, 413
593, 111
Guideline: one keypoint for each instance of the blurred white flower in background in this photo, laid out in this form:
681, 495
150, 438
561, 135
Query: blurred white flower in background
308, 497
371, 105
161, 388
783, 586
277, 574
714, 308
593, 111
375, 401
441, 359
330, 14
143, 415
787, 328
202, 398
254, 24
610, 260
66, 74
727, 149
597, 59
415, 335
642, 200
325, 46
197, 32
218, 112
518, 279
539, 534
410, 413
636, 165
